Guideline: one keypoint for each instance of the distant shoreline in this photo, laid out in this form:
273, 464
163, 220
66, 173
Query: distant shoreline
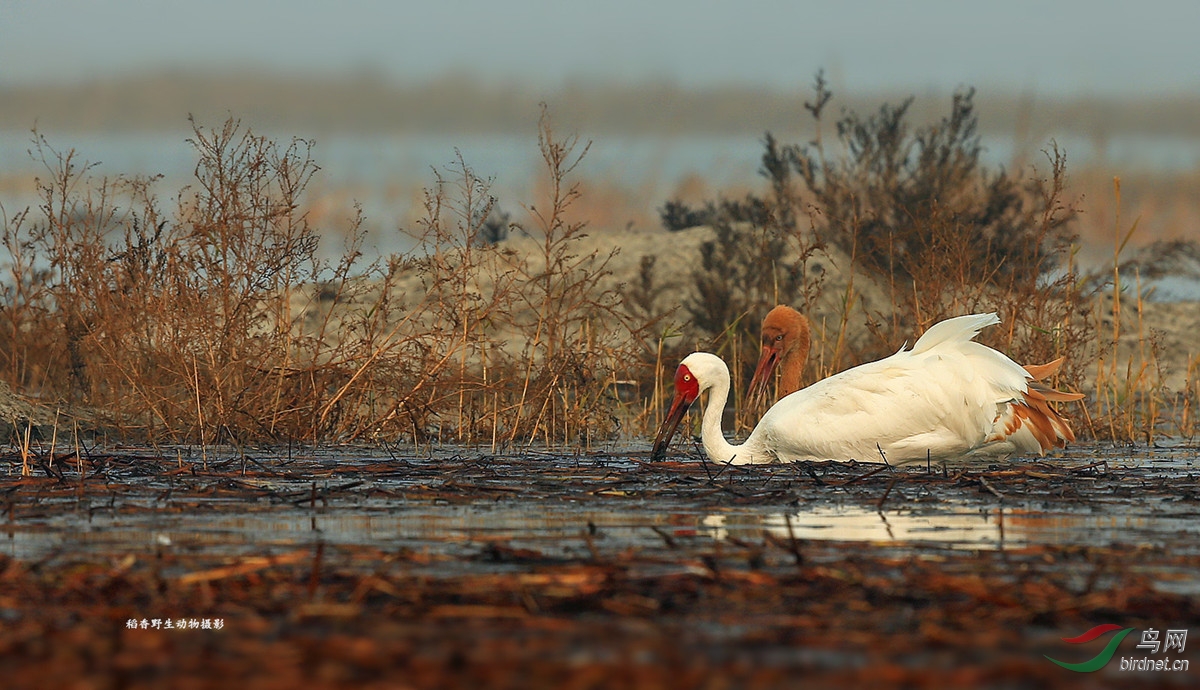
463, 105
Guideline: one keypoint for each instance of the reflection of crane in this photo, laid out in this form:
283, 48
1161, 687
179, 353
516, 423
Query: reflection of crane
860, 524
948, 397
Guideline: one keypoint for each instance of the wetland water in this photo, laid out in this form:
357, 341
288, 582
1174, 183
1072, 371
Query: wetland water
453, 506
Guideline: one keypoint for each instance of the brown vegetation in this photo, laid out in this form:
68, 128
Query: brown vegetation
221, 319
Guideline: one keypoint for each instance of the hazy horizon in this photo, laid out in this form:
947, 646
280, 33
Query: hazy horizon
1069, 48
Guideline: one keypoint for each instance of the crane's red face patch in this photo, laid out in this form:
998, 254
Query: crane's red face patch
686, 385
687, 389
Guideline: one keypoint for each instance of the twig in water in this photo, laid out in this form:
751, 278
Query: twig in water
886, 525
243, 567
864, 476
991, 488
787, 519
667, 539
879, 506
314, 577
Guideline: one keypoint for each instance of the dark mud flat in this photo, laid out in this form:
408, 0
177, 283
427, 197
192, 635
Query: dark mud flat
365, 568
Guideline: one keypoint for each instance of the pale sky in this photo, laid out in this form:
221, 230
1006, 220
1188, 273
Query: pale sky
1068, 47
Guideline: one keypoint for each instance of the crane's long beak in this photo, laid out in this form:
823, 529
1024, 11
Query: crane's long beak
762, 376
678, 407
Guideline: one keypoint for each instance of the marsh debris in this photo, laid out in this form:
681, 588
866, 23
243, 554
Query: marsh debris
346, 568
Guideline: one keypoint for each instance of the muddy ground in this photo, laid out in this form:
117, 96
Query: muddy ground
373, 568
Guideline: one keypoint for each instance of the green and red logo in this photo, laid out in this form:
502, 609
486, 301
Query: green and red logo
1153, 641
1097, 662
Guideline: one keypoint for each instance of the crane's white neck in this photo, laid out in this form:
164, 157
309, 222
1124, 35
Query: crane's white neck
715, 446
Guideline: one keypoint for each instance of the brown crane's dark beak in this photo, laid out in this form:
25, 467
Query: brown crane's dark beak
686, 392
762, 376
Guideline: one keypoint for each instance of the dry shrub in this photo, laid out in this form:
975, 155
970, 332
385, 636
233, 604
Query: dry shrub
947, 236
523, 339
220, 321
914, 211
177, 326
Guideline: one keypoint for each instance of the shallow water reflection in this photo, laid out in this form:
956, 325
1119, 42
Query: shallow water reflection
465, 509
984, 529
561, 528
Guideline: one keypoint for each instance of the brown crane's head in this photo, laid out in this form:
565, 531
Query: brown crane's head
786, 340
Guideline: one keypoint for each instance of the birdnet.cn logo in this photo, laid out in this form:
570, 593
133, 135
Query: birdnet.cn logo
1154, 641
